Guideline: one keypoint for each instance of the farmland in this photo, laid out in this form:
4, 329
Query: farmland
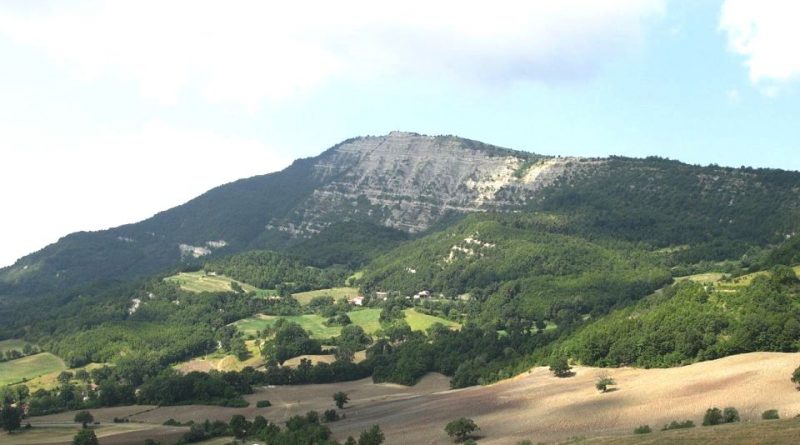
315, 324
335, 292
534, 406
201, 282
29, 367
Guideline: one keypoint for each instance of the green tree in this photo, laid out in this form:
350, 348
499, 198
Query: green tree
796, 377
560, 367
340, 398
713, 416
461, 429
730, 415
10, 417
84, 418
85, 437
372, 436
239, 426
64, 377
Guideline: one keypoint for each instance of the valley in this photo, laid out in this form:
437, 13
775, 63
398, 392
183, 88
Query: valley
428, 278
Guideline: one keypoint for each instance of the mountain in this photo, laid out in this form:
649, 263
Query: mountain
382, 191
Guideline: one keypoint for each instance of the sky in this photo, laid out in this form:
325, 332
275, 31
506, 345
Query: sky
111, 111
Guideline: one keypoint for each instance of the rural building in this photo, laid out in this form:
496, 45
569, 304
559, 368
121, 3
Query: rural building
357, 301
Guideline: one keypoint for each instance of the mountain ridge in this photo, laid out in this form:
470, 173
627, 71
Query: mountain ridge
407, 183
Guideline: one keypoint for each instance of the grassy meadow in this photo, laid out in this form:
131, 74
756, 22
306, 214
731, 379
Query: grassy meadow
200, 282
315, 324
337, 293
30, 367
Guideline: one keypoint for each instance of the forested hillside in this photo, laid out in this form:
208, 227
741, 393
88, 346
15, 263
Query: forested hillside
691, 322
521, 265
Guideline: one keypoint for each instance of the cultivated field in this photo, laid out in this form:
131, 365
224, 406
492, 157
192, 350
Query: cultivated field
30, 367
223, 362
540, 407
200, 282
366, 318
336, 292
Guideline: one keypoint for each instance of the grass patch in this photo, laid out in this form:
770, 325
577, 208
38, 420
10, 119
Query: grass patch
421, 322
335, 292
200, 282
29, 368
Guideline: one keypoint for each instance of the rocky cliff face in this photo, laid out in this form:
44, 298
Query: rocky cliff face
409, 181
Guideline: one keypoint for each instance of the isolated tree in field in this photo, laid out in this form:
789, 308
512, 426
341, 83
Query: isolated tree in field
796, 377
85, 437
730, 415
461, 429
603, 383
372, 436
560, 367
340, 398
84, 418
10, 417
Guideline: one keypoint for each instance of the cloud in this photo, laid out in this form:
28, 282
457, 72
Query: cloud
246, 52
58, 183
766, 33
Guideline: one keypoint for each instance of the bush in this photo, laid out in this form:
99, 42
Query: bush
263, 404
730, 415
796, 377
770, 414
330, 415
675, 425
603, 383
644, 429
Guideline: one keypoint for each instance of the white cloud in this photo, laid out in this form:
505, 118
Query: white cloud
766, 33
245, 52
58, 184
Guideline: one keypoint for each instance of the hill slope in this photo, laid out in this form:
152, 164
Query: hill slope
390, 186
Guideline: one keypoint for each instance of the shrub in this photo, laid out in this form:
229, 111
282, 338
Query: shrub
770, 414
603, 383
330, 415
675, 425
713, 416
643, 429
263, 404
796, 377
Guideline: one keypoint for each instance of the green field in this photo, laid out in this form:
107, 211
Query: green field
29, 367
200, 282
366, 318
7, 345
421, 322
336, 292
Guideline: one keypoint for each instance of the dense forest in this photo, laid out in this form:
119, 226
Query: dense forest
271, 270
528, 265
689, 322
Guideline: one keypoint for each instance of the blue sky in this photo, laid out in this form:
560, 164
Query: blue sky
112, 111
